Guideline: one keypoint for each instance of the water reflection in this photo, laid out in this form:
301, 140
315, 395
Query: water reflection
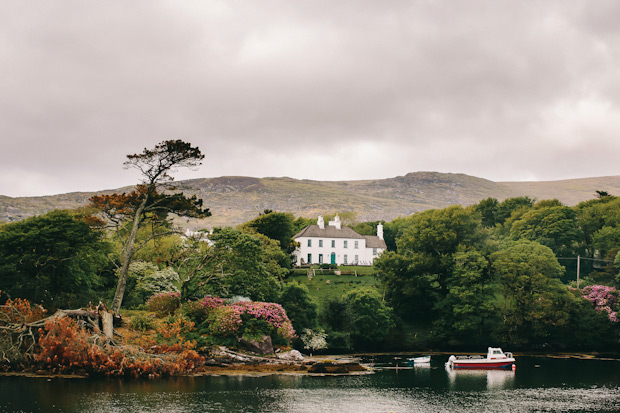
555, 385
471, 378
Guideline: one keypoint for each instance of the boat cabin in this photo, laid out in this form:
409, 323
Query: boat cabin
496, 353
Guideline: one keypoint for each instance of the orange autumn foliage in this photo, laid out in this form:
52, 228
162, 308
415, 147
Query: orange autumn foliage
65, 348
169, 337
21, 311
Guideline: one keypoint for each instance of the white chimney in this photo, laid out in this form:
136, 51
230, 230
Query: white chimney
336, 223
380, 230
320, 222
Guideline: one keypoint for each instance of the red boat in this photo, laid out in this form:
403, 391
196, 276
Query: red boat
495, 359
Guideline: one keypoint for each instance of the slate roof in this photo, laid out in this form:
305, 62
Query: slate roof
313, 231
373, 241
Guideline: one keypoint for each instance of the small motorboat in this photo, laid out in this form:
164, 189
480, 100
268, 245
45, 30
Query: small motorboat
495, 359
419, 360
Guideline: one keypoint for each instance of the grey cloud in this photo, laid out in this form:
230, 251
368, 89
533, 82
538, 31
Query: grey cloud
87, 82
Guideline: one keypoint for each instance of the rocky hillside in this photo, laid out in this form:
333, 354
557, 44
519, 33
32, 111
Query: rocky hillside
235, 199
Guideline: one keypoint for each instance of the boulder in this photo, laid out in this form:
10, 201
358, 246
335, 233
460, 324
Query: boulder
292, 355
259, 347
332, 367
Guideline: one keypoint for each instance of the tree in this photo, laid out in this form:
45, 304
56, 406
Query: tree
314, 339
415, 276
236, 264
275, 225
301, 223
299, 306
52, 259
372, 319
440, 231
488, 210
552, 225
336, 317
468, 309
535, 305
412, 283
147, 204
146, 279
508, 206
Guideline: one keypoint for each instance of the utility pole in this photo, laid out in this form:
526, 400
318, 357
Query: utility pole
578, 259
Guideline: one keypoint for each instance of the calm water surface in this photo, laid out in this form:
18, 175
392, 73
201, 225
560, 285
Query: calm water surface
538, 384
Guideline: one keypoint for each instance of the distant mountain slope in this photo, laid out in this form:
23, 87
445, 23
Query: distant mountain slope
236, 199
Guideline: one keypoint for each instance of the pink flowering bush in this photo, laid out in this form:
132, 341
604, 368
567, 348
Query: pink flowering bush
237, 319
210, 303
604, 298
164, 303
200, 310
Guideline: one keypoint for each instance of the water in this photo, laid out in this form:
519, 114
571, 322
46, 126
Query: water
538, 384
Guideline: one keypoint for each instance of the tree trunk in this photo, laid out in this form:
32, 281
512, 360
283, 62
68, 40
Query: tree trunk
127, 255
107, 321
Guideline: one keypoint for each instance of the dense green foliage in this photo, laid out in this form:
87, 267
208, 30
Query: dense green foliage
237, 264
299, 305
496, 273
52, 259
277, 226
491, 273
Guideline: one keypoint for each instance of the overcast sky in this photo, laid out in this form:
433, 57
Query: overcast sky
318, 89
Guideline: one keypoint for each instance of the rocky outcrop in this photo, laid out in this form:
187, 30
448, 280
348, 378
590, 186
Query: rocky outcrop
292, 355
262, 347
333, 367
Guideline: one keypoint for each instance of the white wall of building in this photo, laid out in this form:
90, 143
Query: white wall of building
343, 255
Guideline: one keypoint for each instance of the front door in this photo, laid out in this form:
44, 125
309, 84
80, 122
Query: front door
334, 258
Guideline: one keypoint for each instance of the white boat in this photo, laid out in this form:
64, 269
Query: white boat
419, 360
495, 359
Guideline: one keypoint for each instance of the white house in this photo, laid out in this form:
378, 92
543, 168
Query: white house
335, 244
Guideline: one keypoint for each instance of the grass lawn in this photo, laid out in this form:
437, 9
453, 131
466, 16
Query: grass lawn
338, 285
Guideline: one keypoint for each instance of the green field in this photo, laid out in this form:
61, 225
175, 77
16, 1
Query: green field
329, 286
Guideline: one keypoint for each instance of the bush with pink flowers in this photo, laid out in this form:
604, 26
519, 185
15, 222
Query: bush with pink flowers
604, 298
249, 318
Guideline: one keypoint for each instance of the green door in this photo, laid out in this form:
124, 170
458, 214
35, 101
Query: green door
333, 258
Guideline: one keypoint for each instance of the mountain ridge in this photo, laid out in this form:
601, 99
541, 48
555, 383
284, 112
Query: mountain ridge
236, 199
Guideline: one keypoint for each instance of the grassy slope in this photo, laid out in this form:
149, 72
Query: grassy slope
338, 285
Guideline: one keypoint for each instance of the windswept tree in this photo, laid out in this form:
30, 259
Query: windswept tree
148, 205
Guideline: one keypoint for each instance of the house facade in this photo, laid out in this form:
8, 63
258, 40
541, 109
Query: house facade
335, 244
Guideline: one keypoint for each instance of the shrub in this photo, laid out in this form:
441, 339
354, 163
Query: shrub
21, 311
604, 299
141, 322
198, 311
172, 335
228, 321
65, 348
164, 303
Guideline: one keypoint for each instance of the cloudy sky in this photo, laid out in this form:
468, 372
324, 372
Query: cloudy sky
317, 89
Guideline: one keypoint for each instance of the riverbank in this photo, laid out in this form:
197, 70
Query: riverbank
224, 361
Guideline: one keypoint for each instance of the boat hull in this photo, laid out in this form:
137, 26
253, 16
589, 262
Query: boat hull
483, 364
420, 359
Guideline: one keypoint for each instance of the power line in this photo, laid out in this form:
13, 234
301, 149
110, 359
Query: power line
579, 258
582, 258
